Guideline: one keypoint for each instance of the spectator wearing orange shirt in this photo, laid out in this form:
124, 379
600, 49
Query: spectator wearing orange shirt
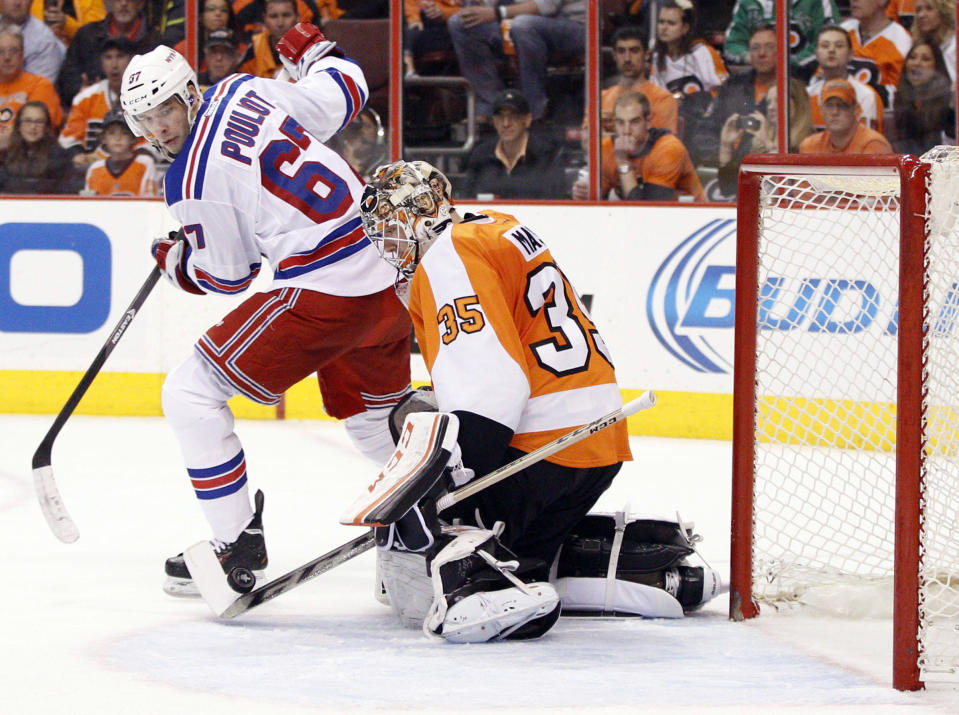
18, 87
875, 37
124, 172
42, 50
629, 53
642, 163
261, 58
833, 52
65, 24
81, 134
902, 11
844, 133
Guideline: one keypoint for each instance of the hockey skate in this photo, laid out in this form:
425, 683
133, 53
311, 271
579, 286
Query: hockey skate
248, 551
482, 592
505, 614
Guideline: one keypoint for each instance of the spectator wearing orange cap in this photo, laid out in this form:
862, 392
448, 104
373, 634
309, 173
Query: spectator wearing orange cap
844, 133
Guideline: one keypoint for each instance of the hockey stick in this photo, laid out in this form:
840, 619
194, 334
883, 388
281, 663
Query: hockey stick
47, 493
643, 402
221, 597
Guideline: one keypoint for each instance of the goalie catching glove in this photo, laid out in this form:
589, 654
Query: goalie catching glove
301, 46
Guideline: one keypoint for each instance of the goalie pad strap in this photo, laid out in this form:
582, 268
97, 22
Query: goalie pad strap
620, 519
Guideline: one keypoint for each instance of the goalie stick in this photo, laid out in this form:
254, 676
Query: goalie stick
223, 599
46, 487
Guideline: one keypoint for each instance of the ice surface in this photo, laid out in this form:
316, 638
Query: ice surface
88, 630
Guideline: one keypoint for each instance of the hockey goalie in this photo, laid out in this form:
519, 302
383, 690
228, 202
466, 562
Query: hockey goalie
515, 357
461, 584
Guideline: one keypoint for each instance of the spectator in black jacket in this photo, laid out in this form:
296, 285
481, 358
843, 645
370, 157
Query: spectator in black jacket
925, 113
82, 64
516, 163
742, 93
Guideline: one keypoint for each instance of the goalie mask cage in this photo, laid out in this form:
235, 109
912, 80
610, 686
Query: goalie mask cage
846, 398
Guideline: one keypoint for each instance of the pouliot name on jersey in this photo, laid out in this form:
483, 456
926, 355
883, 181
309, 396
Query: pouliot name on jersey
242, 128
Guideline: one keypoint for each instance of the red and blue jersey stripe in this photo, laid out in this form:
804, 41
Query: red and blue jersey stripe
354, 95
341, 242
224, 359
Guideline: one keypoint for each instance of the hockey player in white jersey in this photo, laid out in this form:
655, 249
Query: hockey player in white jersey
251, 180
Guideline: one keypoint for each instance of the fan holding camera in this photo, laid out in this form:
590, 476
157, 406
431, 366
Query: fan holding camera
756, 132
743, 134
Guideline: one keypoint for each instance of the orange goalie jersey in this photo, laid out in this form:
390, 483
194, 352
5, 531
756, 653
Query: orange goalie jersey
505, 336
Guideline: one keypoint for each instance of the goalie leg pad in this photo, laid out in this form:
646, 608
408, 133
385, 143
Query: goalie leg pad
482, 592
408, 587
615, 564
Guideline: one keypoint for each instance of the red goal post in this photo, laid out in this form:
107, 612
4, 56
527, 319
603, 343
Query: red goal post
846, 395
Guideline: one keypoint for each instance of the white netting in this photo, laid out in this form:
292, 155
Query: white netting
826, 364
939, 569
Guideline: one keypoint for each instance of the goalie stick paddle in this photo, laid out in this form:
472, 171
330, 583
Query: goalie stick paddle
46, 487
211, 582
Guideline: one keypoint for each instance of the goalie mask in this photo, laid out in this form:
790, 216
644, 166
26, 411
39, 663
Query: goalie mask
151, 79
405, 207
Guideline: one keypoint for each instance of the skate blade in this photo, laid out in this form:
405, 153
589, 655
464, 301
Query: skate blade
186, 588
180, 588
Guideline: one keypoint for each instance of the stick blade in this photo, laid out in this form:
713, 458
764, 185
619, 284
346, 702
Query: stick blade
207, 574
52, 506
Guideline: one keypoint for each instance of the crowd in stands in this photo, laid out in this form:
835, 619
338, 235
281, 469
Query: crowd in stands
688, 87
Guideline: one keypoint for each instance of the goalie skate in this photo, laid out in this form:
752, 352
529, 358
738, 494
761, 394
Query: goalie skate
496, 615
479, 593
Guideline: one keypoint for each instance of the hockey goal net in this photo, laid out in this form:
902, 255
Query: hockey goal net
846, 405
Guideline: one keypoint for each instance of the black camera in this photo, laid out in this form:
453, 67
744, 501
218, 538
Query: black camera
750, 124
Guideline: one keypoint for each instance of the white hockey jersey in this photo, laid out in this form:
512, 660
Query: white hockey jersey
700, 70
255, 181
